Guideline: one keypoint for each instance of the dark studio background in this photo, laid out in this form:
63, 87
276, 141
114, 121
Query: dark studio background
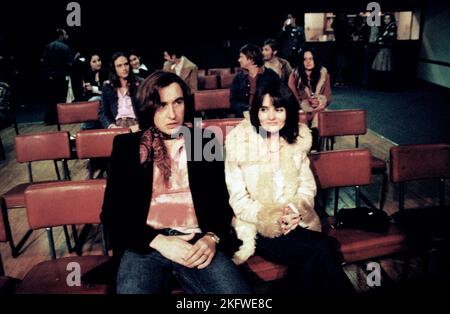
211, 33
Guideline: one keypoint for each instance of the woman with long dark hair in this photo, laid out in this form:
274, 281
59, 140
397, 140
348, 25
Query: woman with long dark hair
310, 84
118, 106
272, 191
94, 77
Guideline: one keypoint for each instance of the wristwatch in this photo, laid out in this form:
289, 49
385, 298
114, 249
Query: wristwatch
214, 237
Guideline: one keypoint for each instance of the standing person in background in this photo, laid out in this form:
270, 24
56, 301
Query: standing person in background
118, 105
176, 62
271, 60
291, 39
382, 64
57, 60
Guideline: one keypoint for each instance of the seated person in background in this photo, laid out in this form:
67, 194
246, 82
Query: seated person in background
118, 103
93, 78
310, 84
139, 69
176, 62
161, 212
272, 61
272, 191
245, 83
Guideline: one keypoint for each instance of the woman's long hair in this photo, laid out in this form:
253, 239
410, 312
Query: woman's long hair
315, 74
281, 96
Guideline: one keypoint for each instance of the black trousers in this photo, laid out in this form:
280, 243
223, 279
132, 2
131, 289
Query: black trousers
56, 93
314, 263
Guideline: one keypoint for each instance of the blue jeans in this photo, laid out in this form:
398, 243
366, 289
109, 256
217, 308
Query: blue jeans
150, 273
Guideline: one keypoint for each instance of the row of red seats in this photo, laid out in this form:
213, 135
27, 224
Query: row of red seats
79, 202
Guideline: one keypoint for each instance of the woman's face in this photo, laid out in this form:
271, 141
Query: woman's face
387, 19
308, 60
95, 63
272, 119
135, 62
170, 115
122, 67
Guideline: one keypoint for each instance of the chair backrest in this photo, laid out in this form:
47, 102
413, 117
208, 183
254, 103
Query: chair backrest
77, 112
226, 80
97, 143
342, 122
42, 146
221, 127
206, 82
64, 203
341, 168
219, 71
212, 99
423, 161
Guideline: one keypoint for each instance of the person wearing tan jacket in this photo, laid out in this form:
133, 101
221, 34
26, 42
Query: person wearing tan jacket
272, 189
177, 63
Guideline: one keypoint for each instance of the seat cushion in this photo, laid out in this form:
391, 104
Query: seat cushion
15, 196
357, 245
49, 277
264, 269
378, 165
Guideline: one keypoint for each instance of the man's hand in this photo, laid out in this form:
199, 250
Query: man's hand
201, 253
174, 248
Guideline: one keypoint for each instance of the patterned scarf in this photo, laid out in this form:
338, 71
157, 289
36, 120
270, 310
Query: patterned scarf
152, 146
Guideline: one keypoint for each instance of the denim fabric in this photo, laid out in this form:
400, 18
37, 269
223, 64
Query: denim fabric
150, 273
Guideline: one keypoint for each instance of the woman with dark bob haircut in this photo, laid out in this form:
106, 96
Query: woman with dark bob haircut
163, 213
272, 191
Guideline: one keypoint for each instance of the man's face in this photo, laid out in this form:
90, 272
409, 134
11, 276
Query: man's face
170, 115
268, 53
122, 67
135, 62
244, 62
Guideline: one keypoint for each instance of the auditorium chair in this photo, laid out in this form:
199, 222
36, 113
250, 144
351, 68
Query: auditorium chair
212, 101
77, 112
226, 80
207, 82
350, 122
221, 127
96, 143
333, 169
29, 148
61, 203
427, 225
219, 71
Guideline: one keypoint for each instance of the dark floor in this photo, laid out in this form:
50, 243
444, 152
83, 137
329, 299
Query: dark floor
419, 114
